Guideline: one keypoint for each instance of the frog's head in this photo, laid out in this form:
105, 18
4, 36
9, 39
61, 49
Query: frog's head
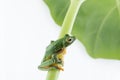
68, 40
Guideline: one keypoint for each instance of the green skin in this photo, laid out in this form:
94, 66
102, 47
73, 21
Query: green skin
53, 50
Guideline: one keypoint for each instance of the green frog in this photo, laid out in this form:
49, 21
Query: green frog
54, 55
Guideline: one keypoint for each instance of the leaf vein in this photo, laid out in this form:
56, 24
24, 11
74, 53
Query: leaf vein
101, 27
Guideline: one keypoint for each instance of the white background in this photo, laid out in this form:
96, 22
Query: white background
26, 28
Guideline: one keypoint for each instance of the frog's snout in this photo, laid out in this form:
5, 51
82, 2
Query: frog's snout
74, 38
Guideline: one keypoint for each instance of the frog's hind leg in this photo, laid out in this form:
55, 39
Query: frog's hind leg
47, 68
43, 68
45, 65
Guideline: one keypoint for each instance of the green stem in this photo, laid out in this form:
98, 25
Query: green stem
70, 17
66, 29
52, 74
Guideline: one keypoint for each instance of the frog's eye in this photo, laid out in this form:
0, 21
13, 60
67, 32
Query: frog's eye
69, 40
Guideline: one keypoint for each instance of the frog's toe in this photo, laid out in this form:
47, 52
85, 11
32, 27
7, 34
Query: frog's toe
60, 68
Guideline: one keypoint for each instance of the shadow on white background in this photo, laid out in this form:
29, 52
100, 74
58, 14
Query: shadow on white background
26, 28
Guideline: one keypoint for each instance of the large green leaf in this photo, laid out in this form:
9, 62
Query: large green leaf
97, 25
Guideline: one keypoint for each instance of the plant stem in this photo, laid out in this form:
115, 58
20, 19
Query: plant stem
66, 29
53, 74
70, 17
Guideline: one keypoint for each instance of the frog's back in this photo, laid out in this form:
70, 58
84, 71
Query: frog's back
52, 47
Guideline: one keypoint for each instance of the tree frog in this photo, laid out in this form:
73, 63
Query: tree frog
54, 55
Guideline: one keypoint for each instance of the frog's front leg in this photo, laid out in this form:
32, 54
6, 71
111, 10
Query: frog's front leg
58, 62
56, 59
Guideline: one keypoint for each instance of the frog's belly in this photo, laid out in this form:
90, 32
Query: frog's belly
61, 54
